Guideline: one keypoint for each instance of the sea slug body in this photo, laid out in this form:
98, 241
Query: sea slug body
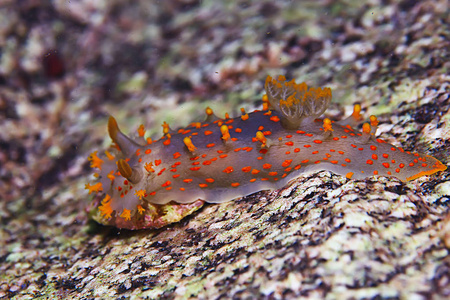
148, 184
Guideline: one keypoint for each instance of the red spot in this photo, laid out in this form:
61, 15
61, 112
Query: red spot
208, 132
297, 167
374, 156
228, 170
288, 169
287, 152
354, 146
274, 119
195, 163
361, 149
152, 194
397, 170
267, 166
341, 152
176, 176
348, 160
297, 150
260, 128
195, 168
273, 173
267, 132
210, 145
375, 172
424, 165
259, 157
300, 132
307, 146
166, 142
411, 164
317, 162
182, 189
53, 65
286, 163
415, 160
255, 171
386, 165
305, 161
157, 162
253, 180
235, 184
332, 150
202, 185
401, 165
246, 169
369, 162
219, 151
173, 170
393, 149
315, 152
167, 183
176, 155
160, 172
223, 155
203, 155
309, 134
249, 149
385, 155
318, 141
238, 130
148, 151
263, 151
237, 149
187, 180
186, 131
289, 143
289, 136
336, 138
333, 161
207, 162
194, 158
343, 137
214, 159
393, 161
372, 147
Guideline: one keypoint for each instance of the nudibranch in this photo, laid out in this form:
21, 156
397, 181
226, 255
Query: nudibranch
148, 184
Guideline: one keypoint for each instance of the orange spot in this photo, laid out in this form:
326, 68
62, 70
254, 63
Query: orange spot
273, 173
267, 166
187, 180
237, 149
244, 117
307, 146
286, 163
369, 162
176, 176
374, 156
274, 119
289, 143
401, 165
195, 168
386, 165
210, 145
202, 185
223, 155
235, 184
157, 162
349, 175
238, 130
333, 161
253, 180
182, 189
210, 180
255, 171
297, 150
228, 170
176, 155
208, 132
167, 183
372, 147
207, 162
246, 169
